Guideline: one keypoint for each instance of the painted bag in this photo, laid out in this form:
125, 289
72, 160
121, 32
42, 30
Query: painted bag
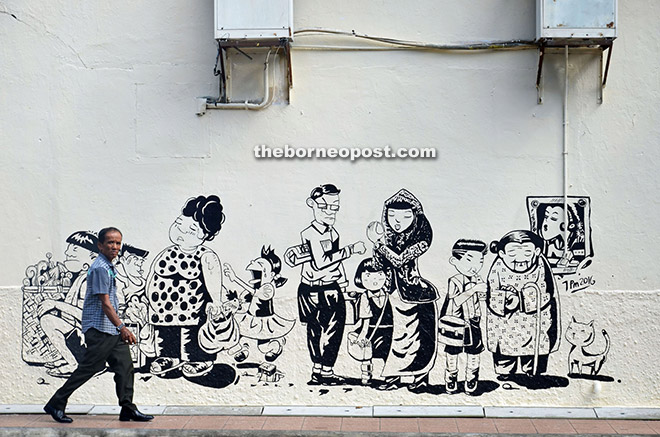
359, 350
454, 331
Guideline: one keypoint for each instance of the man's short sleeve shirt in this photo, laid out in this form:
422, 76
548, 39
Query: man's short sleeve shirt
101, 279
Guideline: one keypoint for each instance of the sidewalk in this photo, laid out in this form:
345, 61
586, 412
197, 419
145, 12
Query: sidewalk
333, 421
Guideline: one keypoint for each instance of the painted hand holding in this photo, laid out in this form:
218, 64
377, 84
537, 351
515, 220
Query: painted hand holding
511, 298
375, 231
359, 248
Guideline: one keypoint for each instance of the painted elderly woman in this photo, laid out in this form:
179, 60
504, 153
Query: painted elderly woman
184, 289
404, 235
523, 306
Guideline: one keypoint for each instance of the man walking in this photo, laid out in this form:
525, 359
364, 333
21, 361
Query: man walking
320, 300
107, 338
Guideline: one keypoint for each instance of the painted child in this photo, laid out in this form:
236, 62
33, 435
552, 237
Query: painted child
465, 290
375, 314
260, 321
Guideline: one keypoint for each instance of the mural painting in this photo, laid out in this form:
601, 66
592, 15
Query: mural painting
260, 322
523, 307
192, 319
374, 319
583, 360
460, 316
53, 294
197, 319
403, 235
323, 281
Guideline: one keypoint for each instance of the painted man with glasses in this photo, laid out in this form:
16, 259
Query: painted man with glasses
320, 300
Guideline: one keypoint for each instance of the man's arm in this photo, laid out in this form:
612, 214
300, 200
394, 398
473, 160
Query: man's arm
110, 313
323, 257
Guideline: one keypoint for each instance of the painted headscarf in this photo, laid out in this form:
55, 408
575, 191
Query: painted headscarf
419, 230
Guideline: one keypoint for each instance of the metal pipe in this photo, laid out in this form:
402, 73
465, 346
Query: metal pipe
265, 102
565, 152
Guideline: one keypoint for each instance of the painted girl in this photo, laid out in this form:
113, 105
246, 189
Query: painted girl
260, 321
375, 314
184, 289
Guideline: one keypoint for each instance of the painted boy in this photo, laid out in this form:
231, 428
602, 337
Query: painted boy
463, 295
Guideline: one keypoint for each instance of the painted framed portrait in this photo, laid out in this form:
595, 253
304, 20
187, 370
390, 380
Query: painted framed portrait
566, 230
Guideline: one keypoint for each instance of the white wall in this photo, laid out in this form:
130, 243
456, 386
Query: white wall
98, 127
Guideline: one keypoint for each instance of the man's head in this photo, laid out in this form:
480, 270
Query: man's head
110, 242
324, 201
467, 256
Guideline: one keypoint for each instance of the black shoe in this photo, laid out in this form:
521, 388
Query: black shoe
451, 383
332, 379
57, 415
419, 385
471, 386
127, 415
389, 384
326, 379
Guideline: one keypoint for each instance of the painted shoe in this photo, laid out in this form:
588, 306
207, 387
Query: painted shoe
388, 385
195, 369
272, 356
242, 355
471, 381
451, 382
332, 379
162, 365
471, 386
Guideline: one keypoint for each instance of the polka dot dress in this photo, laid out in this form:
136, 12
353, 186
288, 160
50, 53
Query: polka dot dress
177, 294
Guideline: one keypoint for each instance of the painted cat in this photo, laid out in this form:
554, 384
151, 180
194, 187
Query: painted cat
580, 361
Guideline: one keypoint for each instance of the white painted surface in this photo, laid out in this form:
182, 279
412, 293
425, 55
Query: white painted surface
95, 131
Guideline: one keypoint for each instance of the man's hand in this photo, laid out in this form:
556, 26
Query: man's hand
127, 336
359, 248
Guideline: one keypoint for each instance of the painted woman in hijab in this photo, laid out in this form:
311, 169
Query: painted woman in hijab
403, 236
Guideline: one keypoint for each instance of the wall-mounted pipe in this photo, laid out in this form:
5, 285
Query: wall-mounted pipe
565, 153
204, 103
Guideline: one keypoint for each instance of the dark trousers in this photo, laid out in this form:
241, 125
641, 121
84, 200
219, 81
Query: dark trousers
323, 309
508, 364
101, 348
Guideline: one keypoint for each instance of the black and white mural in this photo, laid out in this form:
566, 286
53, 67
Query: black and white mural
586, 359
219, 324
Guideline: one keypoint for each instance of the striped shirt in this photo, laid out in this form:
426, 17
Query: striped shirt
101, 279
